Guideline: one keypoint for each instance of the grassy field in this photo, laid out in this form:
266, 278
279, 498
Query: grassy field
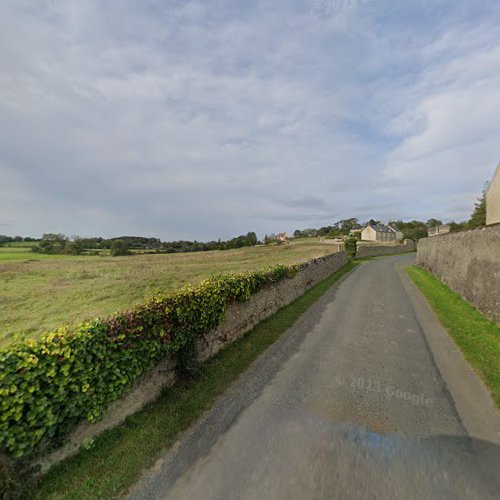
477, 337
23, 253
39, 293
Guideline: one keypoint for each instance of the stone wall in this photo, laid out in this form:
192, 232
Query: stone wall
469, 263
375, 250
241, 317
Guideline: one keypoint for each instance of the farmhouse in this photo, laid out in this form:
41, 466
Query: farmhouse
356, 231
282, 237
380, 232
493, 200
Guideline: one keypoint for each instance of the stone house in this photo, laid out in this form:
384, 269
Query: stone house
381, 232
493, 200
282, 237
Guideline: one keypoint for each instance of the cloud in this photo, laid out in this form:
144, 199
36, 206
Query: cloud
190, 120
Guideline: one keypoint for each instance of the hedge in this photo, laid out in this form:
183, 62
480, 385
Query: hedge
49, 385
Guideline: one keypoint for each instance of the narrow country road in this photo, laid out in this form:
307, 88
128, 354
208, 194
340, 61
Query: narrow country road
356, 400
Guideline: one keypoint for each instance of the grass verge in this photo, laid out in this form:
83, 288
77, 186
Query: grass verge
477, 337
116, 459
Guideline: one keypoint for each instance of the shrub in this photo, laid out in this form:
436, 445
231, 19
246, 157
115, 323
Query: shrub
351, 246
48, 385
119, 247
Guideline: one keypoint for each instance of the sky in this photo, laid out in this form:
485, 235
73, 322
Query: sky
205, 120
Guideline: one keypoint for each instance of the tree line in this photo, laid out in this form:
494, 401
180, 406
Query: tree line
59, 243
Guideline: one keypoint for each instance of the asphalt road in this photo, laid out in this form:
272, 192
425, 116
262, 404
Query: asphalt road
354, 401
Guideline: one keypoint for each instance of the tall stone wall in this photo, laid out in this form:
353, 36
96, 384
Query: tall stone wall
240, 318
371, 250
469, 263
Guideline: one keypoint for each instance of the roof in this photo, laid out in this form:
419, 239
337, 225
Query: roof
381, 228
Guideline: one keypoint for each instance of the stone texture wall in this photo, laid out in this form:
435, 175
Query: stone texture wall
241, 317
469, 263
370, 250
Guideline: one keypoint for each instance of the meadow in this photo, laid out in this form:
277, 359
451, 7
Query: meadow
39, 293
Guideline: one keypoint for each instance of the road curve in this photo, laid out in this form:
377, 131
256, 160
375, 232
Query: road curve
349, 403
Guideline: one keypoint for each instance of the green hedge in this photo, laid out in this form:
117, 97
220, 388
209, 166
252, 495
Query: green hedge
49, 385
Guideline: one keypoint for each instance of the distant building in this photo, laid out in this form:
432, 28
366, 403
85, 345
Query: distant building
282, 237
356, 231
381, 232
436, 230
493, 200
399, 234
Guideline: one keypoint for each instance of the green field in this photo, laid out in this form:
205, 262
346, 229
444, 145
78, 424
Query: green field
23, 253
43, 292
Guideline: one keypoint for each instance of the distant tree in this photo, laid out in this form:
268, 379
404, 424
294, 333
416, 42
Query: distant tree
347, 224
310, 233
334, 233
251, 238
297, 233
74, 247
268, 239
324, 230
434, 223
373, 222
478, 217
119, 248
457, 226
413, 230
51, 243
56, 237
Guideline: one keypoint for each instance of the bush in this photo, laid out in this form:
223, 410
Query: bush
119, 248
351, 247
49, 385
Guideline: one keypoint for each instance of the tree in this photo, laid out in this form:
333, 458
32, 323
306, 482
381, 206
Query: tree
74, 247
55, 237
478, 217
51, 243
457, 226
251, 238
119, 248
434, 223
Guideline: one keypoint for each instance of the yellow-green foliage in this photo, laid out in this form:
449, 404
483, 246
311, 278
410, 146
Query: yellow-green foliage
48, 385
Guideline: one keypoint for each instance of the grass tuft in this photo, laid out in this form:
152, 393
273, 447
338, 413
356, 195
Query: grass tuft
477, 337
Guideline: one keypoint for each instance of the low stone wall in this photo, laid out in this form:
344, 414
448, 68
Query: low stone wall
241, 317
374, 250
469, 263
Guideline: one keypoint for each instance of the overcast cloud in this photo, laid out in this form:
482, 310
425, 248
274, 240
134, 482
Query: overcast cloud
199, 120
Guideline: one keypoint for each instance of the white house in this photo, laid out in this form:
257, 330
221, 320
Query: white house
493, 200
381, 232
